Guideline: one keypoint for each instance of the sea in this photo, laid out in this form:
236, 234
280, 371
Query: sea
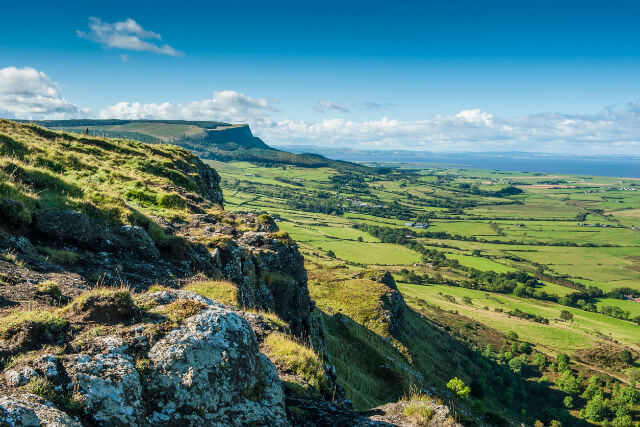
599, 165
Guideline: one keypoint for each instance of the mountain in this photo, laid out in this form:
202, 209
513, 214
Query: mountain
208, 139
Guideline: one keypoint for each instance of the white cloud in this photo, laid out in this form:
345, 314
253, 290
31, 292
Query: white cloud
473, 130
226, 105
324, 105
26, 93
126, 35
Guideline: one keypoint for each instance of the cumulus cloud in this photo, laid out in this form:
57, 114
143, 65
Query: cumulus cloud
226, 105
126, 35
324, 105
26, 93
474, 130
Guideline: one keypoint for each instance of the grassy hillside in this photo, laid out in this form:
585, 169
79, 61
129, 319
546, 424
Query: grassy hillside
208, 139
119, 180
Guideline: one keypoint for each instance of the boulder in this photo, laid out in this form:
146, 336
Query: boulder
109, 384
209, 371
29, 410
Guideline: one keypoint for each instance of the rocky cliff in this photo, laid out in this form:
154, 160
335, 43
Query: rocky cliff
128, 296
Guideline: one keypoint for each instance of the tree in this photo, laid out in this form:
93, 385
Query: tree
598, 408
458, 387
516, 365
512, 335
569, 383
566, 315
568, 402
331, 254
525, 348
540, 360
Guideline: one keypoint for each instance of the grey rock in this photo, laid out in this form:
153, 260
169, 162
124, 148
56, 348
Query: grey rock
29, 410
209, 371
109, 384
19, 378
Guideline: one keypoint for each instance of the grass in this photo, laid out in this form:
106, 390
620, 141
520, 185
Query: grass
296, 358
52, 324
109, 178
556, 337
59, 256
222, 291
181, 309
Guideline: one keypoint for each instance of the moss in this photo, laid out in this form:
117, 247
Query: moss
297, 359
219, 290
255, 392
283, 237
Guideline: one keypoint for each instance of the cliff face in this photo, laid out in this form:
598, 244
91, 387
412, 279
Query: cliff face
82, 334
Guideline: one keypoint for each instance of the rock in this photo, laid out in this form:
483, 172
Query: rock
210, 371
136, 239
29, 410
385, 278
19, 378
73, 227
109, 384
70, 227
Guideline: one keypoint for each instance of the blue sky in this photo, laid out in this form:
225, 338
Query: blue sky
447, 75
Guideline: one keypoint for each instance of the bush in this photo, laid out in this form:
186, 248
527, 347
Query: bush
512, 335
540, 360
525, 348
459, 388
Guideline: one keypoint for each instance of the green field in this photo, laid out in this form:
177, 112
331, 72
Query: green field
533, 230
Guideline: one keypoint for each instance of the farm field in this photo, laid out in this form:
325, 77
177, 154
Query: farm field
531, 243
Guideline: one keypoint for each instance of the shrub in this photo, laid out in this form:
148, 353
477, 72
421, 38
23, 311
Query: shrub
525, 348
598, 408
459, 388
540, 360
512, 335
569, 383
516, 365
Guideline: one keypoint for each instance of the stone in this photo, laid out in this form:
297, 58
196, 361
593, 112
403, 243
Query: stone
29, 410
209, 371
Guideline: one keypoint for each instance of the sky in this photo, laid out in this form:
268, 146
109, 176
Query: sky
547, 76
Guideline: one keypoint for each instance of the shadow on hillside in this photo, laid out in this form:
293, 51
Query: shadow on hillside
376, 370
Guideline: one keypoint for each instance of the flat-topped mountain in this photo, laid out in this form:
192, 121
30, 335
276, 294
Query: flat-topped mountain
208, 139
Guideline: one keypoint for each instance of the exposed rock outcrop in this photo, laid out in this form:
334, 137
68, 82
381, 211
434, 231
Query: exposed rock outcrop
29, 410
